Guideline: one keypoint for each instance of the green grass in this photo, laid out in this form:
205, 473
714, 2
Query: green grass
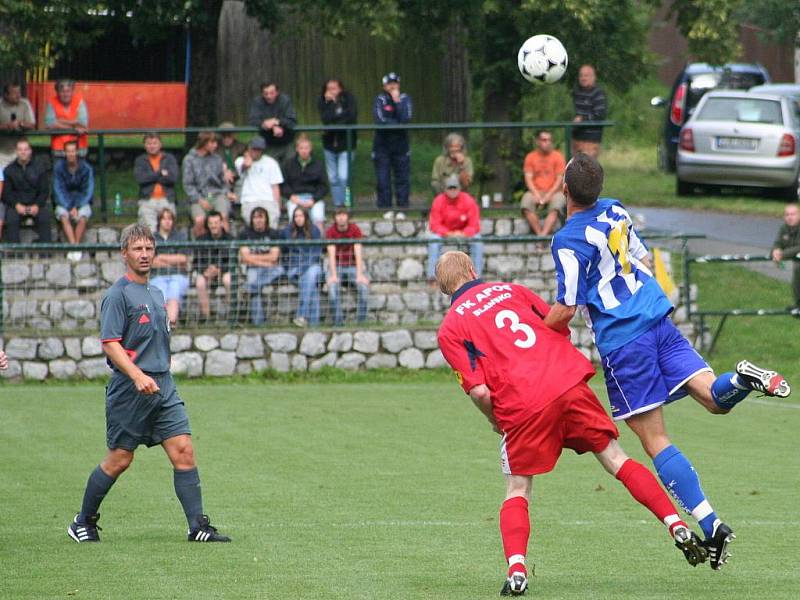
372, 491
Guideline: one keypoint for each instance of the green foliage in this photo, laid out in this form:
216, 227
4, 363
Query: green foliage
711, 28
779, 19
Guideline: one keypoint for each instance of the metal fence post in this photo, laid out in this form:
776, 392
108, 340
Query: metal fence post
101, 146
233, 261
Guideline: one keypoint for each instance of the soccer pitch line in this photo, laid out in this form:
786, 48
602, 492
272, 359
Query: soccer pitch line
773, 403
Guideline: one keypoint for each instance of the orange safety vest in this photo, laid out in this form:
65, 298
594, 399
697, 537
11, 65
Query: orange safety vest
66, 113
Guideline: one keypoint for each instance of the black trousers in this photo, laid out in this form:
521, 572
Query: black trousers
41, 223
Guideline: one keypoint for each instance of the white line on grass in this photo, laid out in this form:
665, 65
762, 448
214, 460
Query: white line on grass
773, 403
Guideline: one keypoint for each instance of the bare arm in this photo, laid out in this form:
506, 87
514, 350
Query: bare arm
116, 354
559, 316
482, 398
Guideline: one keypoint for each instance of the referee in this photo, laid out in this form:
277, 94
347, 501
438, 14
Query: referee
142, 404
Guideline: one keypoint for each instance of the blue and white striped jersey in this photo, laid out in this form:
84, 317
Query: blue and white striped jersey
598, 265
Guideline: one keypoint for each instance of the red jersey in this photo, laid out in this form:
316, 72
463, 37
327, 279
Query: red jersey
345, 255
494, 334
461, 214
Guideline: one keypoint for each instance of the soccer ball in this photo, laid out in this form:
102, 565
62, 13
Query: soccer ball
542, 59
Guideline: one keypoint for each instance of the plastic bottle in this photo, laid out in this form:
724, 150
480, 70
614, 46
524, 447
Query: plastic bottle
348, 200
117, 204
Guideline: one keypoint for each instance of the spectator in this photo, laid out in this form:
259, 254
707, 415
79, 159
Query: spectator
346, 265
16, 116
26, 194
2, 206
590, 105
304, 182
454, 214
302, 266
156, 173
261, 178
229, 149
213, 264
261, 259
544, 201
337, 106
453, 161
205, 182
274, 114
73, 187
390, 149
66, 109
787, 246
170, 269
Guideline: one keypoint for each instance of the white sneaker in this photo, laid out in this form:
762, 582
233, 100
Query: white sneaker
388, 215
400, 216
75, 256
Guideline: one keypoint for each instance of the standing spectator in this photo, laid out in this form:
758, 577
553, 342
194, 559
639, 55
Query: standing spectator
454, 214
169, 272
273, 112
304, 182
261, 178
390, 148
346, 265
213, 264
302, 266
16, 116
787, 246
66, 109
156, 173
544, 178
229, 149
205, 182
453, 161
590, 105
261, 259
26, 194
73, 186
337, 106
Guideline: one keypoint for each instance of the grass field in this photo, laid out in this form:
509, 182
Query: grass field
374, 490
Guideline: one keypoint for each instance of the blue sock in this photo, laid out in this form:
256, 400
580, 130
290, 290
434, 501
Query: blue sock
96, 489
679, 477
727, 391
187, 488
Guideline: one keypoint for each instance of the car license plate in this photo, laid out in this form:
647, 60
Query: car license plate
736, 143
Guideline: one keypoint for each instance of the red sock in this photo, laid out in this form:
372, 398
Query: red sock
515, 528
644, 487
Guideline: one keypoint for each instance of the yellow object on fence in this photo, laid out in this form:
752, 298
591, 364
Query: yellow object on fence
663, 273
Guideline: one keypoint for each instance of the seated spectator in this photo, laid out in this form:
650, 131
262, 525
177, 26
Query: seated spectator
205, 182
337, 106
346, 265
170, 270
66, 109
262, 260
261, 178
544, 202
73, 185
213, 265
16, 116
302, 266
26, 194
454, 214
453, 161
305, 183
229, 149
273, 113
156, 173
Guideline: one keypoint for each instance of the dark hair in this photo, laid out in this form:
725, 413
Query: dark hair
71, 143
342, 210
584, 179
161, 213
22, 140
306, 229
260, 210
151, 135
7, 87
64, 82
203, 138
331, 80
212, 213
268, 83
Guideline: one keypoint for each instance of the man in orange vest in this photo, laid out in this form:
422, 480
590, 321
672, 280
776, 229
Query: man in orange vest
67, 110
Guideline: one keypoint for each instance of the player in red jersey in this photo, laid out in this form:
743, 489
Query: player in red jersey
530, 383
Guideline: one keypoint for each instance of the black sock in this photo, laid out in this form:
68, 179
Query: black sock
96, 489
187, 488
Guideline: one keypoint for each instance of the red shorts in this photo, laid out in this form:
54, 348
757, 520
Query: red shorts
574, 420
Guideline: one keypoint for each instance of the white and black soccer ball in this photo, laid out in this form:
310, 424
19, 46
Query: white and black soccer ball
542, 59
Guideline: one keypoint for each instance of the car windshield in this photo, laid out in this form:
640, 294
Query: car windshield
741, 110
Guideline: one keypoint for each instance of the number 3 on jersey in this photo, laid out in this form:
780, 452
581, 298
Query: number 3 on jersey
509, 316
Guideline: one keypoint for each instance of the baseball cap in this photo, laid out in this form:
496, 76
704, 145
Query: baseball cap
452, 182
257, 143
390, 77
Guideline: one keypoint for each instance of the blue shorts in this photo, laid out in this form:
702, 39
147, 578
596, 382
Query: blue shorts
650, 370
174, 287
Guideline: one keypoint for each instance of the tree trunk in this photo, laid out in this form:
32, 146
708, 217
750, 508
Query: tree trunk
500, 146
455, 73
202, 105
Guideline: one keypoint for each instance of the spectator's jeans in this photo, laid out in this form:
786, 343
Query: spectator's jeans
435, 248
149, 210
317, 212
347, 275
337, 168
174, 287
308, 307
258, 277
387, 163
41, 224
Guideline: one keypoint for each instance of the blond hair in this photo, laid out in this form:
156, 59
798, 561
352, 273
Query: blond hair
453, 269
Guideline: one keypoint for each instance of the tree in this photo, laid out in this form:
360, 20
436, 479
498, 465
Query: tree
779, 19
711, 28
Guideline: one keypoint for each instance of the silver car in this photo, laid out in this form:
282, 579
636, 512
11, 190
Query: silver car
741, 139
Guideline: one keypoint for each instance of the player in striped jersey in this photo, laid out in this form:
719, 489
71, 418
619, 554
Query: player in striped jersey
603, 267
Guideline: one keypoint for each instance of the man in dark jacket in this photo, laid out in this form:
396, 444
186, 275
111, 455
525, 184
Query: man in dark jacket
274, 114
590, 105
26, 194
156, 173
305, 183
787, 246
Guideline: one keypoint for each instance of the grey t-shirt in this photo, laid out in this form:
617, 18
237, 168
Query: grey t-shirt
8, 140
134, 315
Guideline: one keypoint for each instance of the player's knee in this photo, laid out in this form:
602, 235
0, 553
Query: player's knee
117, 463
183, 456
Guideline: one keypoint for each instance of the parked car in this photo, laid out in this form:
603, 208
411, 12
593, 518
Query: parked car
784, 89
690, 86
741, 139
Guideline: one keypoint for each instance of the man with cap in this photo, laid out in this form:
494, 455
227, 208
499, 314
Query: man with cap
454, 214
390, 149
229, 149
261, 178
